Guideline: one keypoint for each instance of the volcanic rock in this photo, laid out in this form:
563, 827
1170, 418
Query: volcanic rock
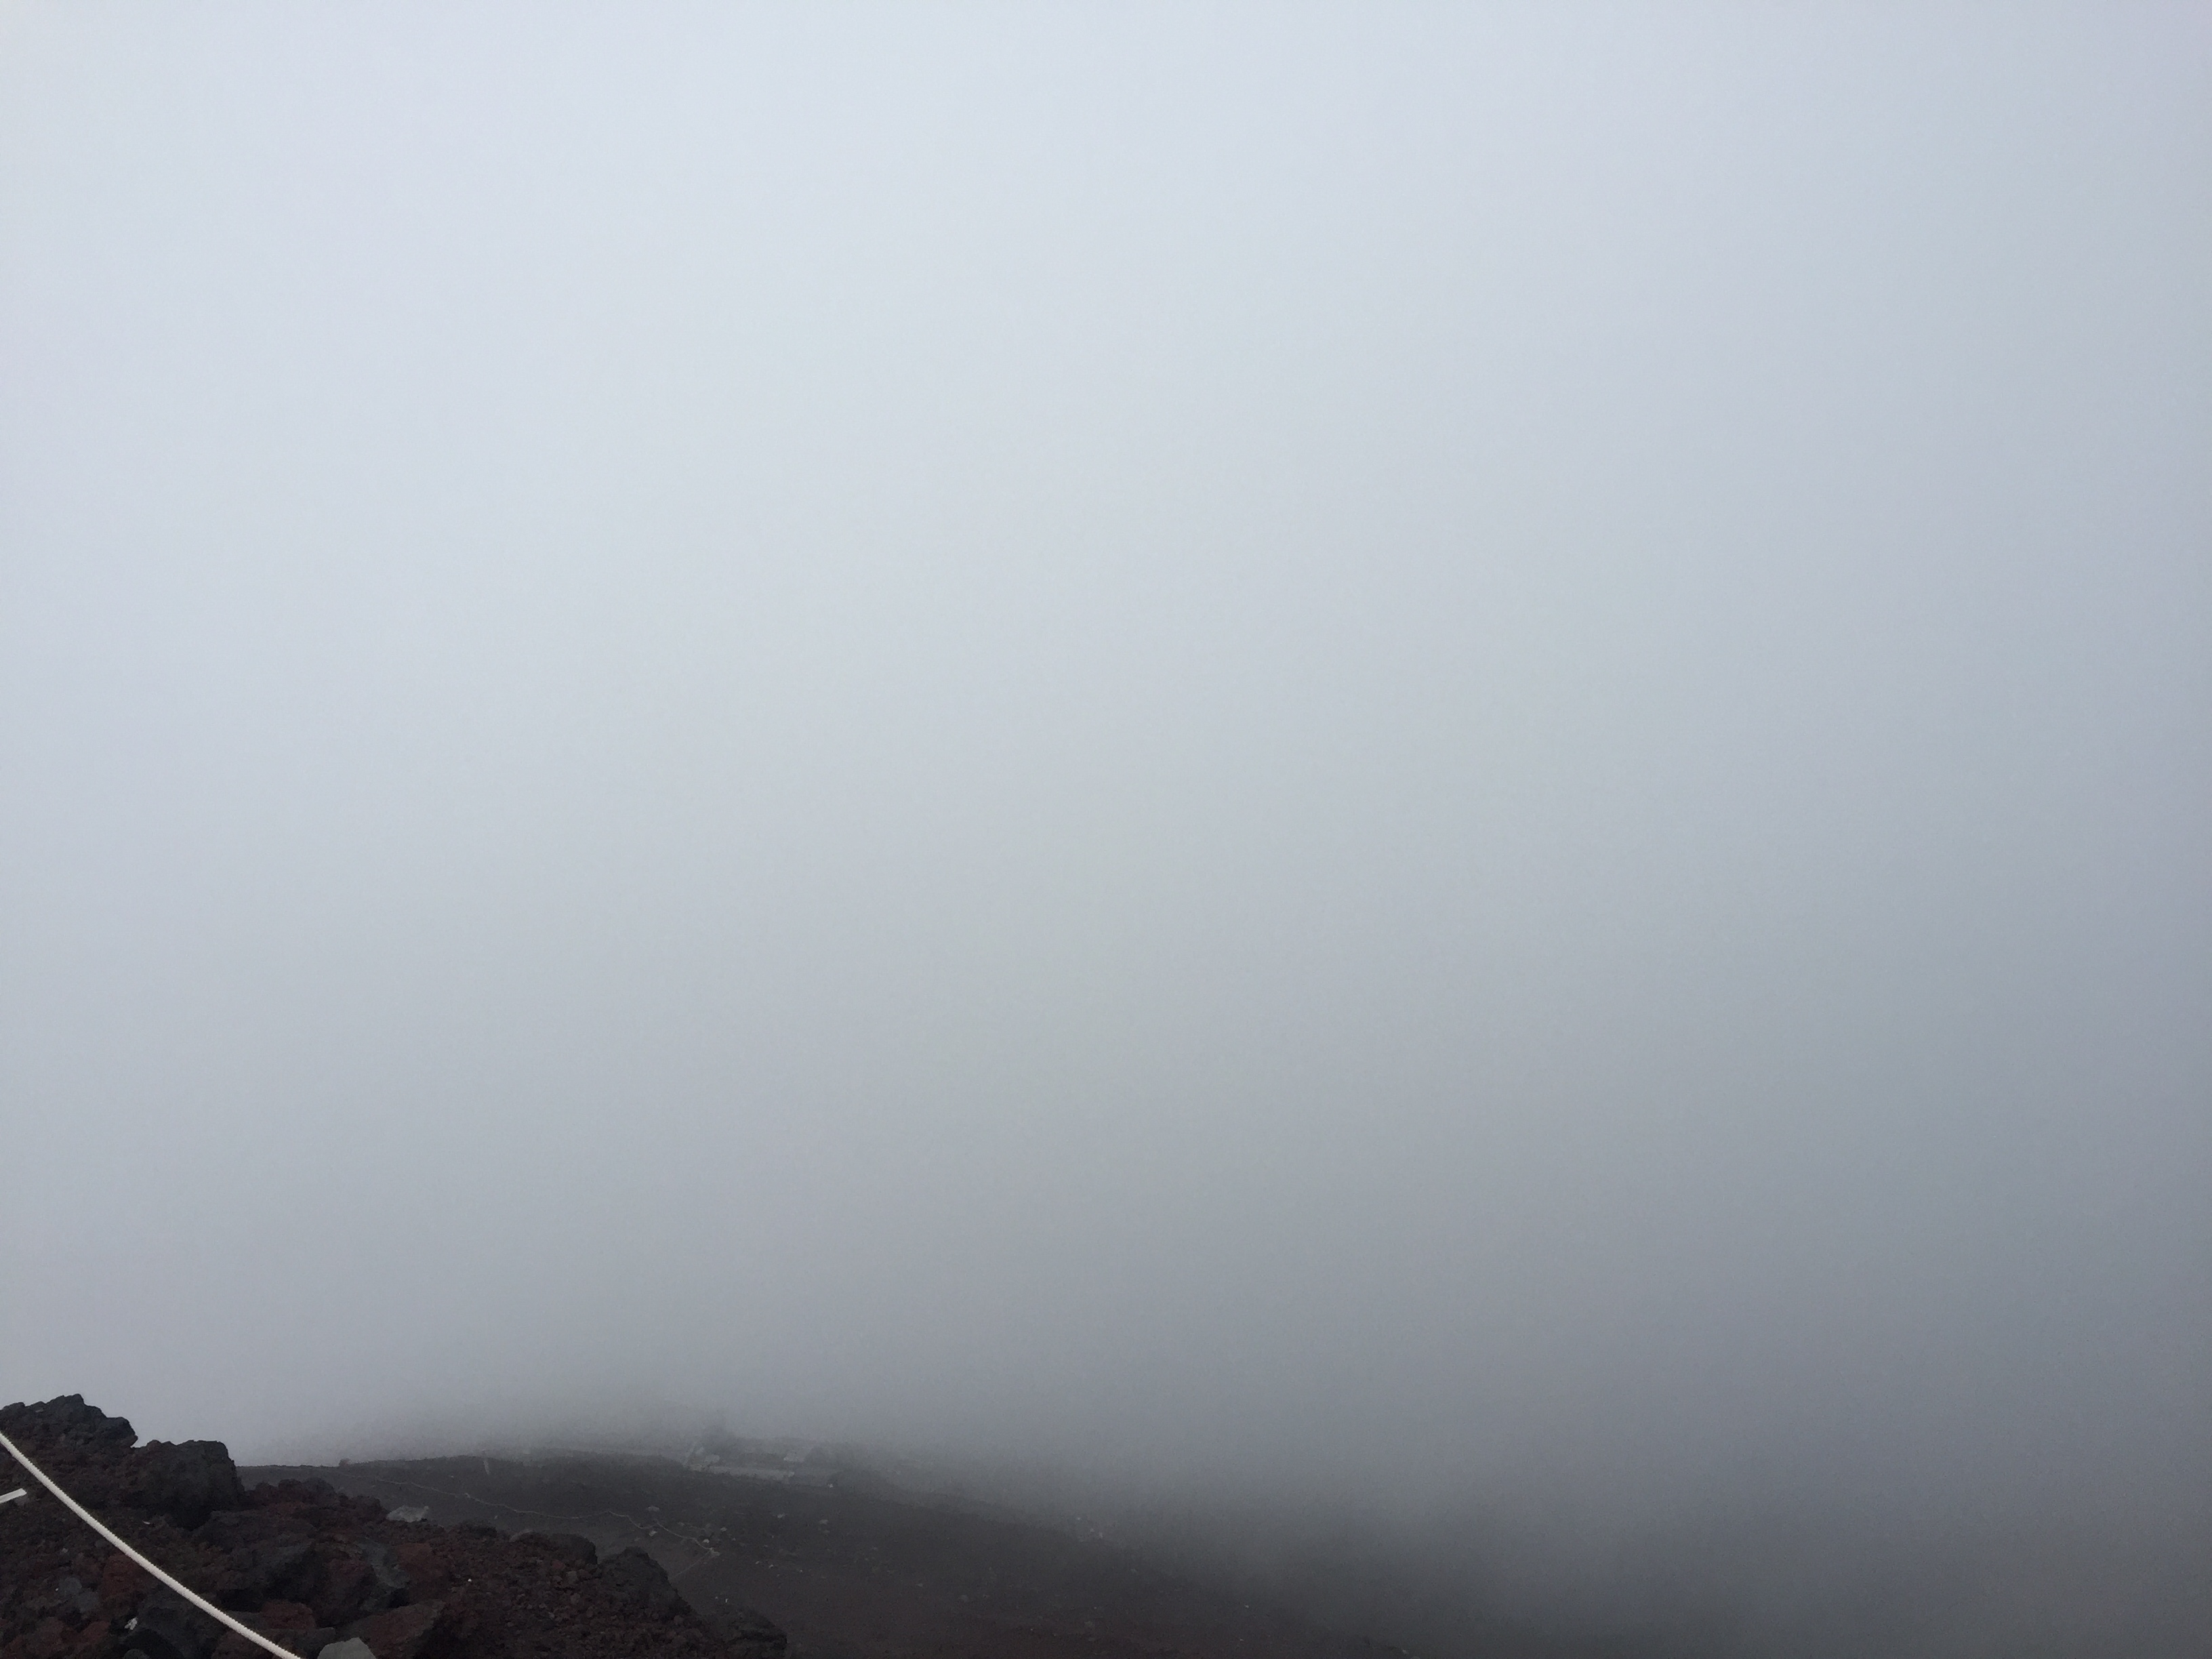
169, 1627
569, 1546
268, 1557
301, 1563
642, 1582
184, 1482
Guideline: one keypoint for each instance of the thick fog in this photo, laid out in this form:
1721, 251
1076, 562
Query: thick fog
1434, 758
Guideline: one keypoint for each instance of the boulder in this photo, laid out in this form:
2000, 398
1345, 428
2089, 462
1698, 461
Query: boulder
169, 1627
643, 1583
391, 1583
67, 1420
288, 1624
268, 1556
186, 1482
569, 1546
403, 1632
749, 1633
346, 1589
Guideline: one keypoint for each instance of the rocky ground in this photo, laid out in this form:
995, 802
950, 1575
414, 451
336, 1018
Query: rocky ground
569, 1557
857, 1569
307, 1565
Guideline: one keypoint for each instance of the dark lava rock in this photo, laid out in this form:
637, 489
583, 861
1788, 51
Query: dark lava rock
346, 1589
642, 1582
66, 1420
169, 1627
288, 1624
301, 1563
405, 1632
569, 1546
186, 1482
392, 1584
70, 1592
748, 1632
267, 1558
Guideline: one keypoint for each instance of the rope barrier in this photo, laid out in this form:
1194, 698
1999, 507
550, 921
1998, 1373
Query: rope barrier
93, 1521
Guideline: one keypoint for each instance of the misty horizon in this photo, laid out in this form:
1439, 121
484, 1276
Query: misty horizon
1399, 763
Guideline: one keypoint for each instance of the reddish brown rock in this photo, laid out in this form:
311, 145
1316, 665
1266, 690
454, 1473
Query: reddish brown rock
404, 1632
300, 1563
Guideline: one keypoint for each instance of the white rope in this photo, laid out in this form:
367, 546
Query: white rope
92, 1521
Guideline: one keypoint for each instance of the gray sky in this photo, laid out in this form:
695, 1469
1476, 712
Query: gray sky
1388, 741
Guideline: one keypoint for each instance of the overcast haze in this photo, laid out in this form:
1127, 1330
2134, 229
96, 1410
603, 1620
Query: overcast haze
1385, 747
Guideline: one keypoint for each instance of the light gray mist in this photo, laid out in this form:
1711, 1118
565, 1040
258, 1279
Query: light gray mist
1456, 760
